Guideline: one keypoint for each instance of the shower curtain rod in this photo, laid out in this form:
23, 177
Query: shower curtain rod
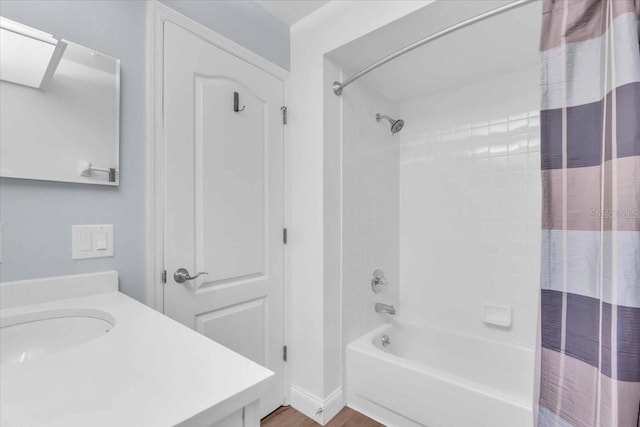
338, 87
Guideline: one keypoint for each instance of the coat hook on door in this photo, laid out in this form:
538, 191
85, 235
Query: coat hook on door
236, 102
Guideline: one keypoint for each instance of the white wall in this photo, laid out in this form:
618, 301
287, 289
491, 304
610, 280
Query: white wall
311, 38
370, 210
470, 206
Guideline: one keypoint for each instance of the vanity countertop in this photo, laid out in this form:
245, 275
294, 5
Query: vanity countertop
148, 370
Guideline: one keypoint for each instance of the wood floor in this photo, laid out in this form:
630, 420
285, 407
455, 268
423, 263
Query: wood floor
286, 416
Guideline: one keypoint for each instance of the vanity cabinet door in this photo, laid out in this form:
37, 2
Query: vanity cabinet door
248, 416
233, 420
245, 417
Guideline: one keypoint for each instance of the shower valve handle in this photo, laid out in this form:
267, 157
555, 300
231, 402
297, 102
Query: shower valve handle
378, 281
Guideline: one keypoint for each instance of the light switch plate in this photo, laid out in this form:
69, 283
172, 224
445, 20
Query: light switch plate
91, 241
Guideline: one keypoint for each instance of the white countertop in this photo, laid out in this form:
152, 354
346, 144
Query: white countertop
147, 371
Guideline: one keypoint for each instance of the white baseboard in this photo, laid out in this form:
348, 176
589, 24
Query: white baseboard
307, 403
332, 405
319, 410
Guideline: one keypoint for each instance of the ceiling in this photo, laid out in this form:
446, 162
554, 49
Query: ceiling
291, 11
499, 45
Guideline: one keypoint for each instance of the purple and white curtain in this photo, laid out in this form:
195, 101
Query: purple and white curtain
588, 370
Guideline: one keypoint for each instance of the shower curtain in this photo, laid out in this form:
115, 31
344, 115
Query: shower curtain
588, 353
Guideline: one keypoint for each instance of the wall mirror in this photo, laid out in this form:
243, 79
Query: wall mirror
59, 108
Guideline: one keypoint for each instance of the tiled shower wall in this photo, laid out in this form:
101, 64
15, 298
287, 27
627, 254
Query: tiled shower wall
470, 206
370, 209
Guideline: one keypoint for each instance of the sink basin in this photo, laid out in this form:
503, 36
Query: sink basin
35, 334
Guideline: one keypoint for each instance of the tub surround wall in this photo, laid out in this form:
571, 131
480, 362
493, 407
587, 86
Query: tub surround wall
370, 210
470, 206
467, 219
309, 318
37, 215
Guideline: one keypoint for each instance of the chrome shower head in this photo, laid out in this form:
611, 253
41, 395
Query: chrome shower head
396, 125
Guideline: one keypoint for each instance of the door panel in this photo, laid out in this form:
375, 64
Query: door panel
230, 184
224, 200
242, 318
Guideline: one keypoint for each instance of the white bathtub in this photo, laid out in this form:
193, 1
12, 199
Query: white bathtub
429, 377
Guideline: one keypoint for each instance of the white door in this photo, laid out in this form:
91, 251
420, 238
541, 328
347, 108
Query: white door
224, 200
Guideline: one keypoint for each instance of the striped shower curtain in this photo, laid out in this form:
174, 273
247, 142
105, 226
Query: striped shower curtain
588, 358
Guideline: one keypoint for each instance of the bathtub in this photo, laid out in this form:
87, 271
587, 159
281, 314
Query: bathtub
430, 377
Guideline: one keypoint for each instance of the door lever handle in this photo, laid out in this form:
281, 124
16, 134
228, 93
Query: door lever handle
182, 275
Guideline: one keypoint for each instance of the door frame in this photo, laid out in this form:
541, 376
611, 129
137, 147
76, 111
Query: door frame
156, 14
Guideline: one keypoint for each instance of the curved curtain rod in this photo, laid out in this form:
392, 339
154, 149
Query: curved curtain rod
338, 87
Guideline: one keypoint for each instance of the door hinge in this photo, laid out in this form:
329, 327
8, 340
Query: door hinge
164, 276
285, 236
284, 353
284, 115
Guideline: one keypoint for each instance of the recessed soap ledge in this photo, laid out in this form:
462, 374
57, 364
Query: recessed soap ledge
498, 315
124, 363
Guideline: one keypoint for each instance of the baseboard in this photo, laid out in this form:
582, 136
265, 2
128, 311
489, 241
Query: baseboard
307, 403
332, 405
319, 410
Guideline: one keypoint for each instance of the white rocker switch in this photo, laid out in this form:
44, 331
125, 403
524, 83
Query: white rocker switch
101, 241
86, 241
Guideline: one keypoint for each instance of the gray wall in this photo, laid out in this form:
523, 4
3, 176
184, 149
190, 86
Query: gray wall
36, 215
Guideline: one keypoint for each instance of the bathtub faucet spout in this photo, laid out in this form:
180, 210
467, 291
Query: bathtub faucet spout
385, 308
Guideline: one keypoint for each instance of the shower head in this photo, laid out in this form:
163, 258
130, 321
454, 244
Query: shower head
396, 125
